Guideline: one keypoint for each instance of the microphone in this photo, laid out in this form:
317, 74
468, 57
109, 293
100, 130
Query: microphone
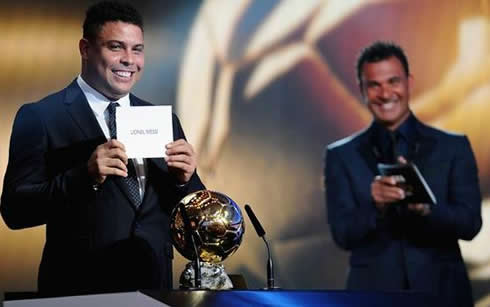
258, 228
261, 233
190, 236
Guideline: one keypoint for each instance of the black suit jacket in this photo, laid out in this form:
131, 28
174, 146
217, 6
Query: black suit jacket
96, 241
402, 249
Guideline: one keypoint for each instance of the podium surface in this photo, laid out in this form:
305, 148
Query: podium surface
204, 298
242, 298
126, 299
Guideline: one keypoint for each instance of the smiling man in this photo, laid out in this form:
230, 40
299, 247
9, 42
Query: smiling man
106, 216
397, 245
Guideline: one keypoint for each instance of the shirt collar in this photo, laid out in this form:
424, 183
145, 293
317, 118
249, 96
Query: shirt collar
96, 100
408, 129
382, 137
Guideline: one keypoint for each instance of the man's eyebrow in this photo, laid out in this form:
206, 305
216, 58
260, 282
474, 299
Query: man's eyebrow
111, 41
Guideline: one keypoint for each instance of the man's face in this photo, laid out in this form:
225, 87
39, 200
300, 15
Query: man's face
114, 61
386, 90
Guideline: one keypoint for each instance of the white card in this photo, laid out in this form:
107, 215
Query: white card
144, 130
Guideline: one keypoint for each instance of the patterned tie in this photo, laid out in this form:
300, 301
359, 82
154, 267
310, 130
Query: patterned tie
131, 181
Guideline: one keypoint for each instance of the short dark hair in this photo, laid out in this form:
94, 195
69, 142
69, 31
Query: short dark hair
379, 51
107, 11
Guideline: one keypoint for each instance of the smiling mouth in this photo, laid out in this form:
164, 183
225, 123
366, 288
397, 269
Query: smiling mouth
387, 106
123, 74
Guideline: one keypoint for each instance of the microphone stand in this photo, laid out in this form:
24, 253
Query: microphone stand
191, 236
197, 264
270, 267
261, 233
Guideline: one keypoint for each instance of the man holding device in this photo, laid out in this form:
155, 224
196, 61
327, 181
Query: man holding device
397, 245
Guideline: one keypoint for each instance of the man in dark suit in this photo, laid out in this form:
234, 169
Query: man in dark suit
107, 216
397, 245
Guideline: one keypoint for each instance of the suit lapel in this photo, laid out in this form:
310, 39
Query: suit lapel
425, 144
368, 150
77, 106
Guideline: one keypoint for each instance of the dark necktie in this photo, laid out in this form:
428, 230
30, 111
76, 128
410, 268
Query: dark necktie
131, 181
394, 146
399, 146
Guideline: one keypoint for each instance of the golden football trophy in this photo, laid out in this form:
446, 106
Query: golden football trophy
209, 224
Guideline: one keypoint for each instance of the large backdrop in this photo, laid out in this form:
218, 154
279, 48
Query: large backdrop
261, 87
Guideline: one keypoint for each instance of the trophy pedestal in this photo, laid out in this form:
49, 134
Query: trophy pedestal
213, 277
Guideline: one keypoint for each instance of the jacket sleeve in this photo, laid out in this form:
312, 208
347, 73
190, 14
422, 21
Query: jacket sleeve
29, 193
460, 217
194, 183
350, 223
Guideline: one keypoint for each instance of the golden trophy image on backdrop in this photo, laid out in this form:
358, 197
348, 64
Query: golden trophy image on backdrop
208, 224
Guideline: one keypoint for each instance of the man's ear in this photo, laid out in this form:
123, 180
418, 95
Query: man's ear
361, 90
83, 46
411, 83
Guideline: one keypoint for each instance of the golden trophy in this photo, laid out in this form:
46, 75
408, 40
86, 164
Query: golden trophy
209, 224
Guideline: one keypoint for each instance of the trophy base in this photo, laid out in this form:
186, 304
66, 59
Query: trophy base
213, 277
